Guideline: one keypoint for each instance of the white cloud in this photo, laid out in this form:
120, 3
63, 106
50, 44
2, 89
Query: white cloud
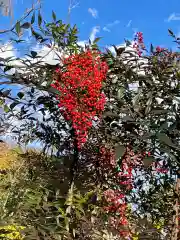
129, 23
92, 37
111, 48
108, 27
7, 50
93, 12
49, 56
93, 33
45, 54
174, 17
83, 43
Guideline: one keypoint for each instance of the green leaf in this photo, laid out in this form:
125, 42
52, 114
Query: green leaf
39, 19
128, 43
33, 54
97, 39
119, 151
13, 105
127, 118
7, 68
18, 28
66, 221
164, 126
149, 104
6, 108
18, 40
137, 97
165, 139
159, 111
172, 157
6, 93
36, 35
171, 33
26, 25
120, 93
74, 232
33, 18
20, 95
1, 102
151, 48
110, 62
54, 16
148, 161
53, 90
32, 90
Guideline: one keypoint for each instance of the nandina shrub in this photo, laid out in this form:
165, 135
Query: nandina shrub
116, 204
122, 181
139, 43
80, 84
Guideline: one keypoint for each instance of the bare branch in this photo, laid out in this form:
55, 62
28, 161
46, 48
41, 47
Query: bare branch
72, 4
28, 12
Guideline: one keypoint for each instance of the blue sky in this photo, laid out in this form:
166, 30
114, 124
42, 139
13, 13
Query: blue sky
113, 20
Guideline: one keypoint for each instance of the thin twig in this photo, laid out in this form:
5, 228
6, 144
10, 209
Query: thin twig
29, 11
72, 5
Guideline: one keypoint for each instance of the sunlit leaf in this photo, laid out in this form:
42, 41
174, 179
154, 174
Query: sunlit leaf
97, 39
121, 92
6, 108
18, 28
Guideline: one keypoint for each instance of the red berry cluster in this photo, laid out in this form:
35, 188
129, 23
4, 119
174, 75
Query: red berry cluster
116, 205
160, 167
165, 54
116, 208
139, 43
160, 49
116, 200
107, 158
80, 84
129, 163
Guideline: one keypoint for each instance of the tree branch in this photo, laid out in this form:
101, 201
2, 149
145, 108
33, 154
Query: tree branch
28, 12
